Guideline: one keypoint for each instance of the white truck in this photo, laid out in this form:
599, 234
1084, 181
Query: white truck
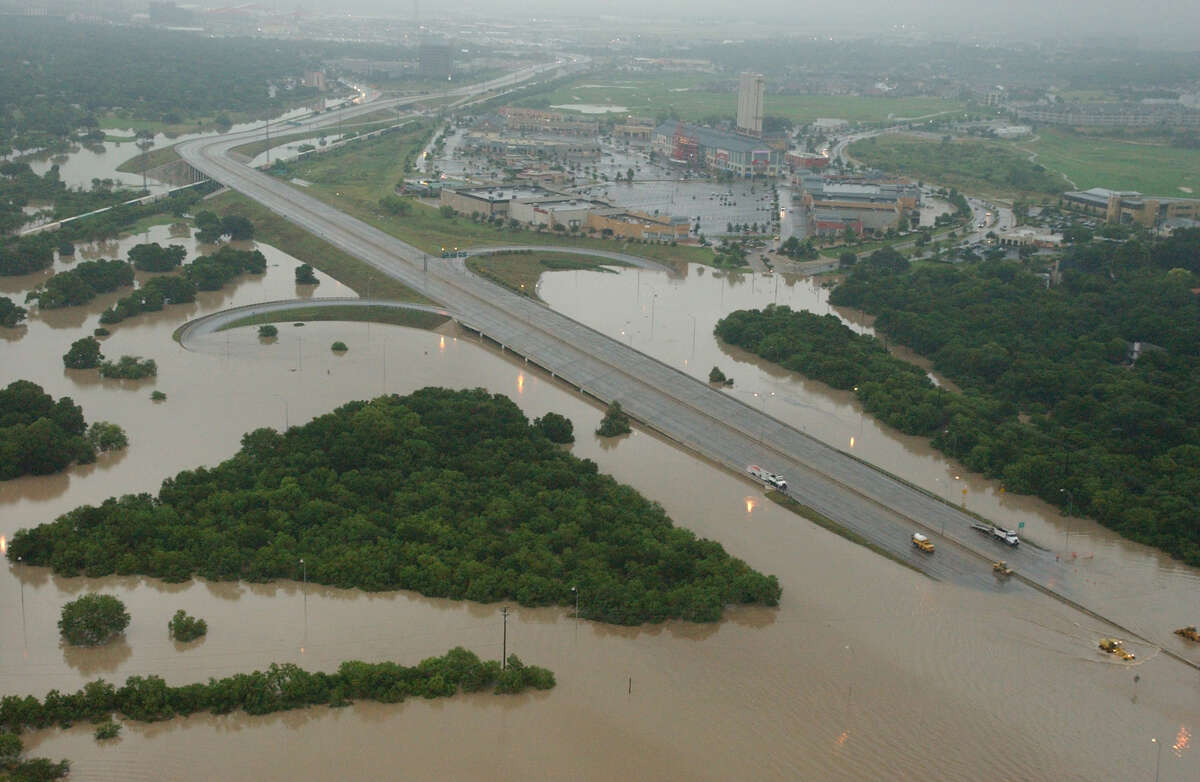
767, 477
999, 533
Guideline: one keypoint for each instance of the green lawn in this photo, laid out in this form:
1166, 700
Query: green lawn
520, 272
295, 241
687, 95
1092, 161
417, 319
971, 165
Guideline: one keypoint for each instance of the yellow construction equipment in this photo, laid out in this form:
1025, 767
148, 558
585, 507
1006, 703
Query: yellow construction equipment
922, 542
1189, 633
1002, 569
1113, 646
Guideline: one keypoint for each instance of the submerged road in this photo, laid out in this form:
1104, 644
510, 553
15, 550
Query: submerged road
876, 505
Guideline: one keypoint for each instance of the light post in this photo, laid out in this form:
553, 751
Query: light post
693, 317
1070, 510
304, 577
504, 647
653, 301
575, 590
1157, 757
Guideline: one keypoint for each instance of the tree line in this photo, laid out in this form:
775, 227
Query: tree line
1056, 401
282, 687
448, 493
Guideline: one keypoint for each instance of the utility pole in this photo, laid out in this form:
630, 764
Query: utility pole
504, 647
268, 127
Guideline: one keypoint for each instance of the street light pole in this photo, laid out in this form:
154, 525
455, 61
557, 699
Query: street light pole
575, 589
504, 647
1070, 512
693, 317
1157, 757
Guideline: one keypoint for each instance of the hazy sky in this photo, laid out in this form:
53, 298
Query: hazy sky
1041, 18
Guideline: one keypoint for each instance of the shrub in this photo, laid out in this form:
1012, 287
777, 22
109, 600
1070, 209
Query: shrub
339, 347
615, 422
716, 375
11, 314
186, 628
107, 730
129, 368
101, 332
268, 331
158, 396
93, 620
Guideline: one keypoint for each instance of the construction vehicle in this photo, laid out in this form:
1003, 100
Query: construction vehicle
999, 533
922, 542
1113, 647
1002, 569
1189, 633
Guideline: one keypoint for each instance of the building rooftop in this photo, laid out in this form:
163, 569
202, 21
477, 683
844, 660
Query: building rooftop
497, 194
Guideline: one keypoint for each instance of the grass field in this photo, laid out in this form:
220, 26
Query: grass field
148, 160
354, 179
345, 268
971, 165
417, 319
686, 95
520, 272
1092, 161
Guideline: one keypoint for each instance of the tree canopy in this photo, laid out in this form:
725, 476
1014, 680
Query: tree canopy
38, 435
1086, 394
449, 493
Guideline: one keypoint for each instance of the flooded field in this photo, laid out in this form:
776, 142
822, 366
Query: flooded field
866, 671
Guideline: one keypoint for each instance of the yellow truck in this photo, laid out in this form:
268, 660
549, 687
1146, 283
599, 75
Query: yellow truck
922, 542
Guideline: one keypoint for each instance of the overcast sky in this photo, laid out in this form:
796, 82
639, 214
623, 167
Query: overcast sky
1042, 18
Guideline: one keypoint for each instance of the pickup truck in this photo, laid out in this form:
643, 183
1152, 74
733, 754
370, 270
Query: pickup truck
999, 533
767, 477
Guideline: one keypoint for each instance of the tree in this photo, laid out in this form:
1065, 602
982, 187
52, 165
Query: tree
305, 275
268, 331
557, 428
615, 422
847, 259
629, 175
104, 436
395, 205
92, 620
153, 257
446, 211
84, 354
186, 628
129, 368
715, 375
10, 314
339, 347
208, 227
237, 227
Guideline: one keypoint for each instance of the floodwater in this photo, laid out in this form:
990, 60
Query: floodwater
672, 319
866, 671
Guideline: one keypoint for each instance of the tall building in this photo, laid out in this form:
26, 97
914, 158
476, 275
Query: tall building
750, 104
435, 59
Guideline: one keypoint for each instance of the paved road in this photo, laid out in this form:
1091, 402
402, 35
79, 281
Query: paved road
189, 332
876, 505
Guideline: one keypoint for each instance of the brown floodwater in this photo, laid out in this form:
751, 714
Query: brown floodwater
866, 671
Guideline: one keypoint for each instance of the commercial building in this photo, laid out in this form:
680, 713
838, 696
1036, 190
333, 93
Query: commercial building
834, 204
751, 87
549, 212
1028, 236
805, 161
435, 59
315, 79
715, 150
634, 130
1110, 115
1130, 206
528, 149
488, 201
548, 123
639, 225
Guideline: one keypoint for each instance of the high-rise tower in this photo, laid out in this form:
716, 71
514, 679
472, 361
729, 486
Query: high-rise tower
750, 104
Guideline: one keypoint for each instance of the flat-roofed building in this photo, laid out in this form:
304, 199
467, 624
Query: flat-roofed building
488, 201
715, 150
866, 204
751, 87
554, 123
639, 225
1130, 206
